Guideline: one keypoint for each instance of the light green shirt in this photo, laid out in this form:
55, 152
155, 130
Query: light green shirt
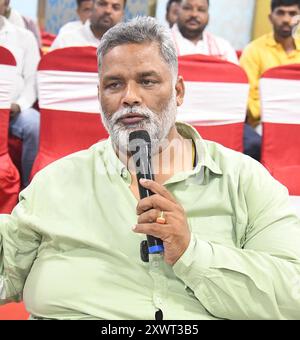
69, 248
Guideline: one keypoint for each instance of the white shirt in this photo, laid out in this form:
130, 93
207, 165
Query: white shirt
82, 36
70, 26
15, 18
22, 44
209, 45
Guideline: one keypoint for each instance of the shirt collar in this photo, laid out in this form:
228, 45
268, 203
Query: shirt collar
203, 155
204, 159
273, 43
7, 27
89, 32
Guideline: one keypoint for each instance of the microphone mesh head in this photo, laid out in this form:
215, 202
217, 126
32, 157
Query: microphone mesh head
140, 134
139, 141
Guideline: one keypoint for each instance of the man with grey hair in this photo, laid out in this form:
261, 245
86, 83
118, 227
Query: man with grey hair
74, 237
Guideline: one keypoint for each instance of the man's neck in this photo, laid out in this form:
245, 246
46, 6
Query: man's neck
97, 33
288, 44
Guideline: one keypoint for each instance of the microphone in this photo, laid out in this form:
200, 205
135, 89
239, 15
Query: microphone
140, 149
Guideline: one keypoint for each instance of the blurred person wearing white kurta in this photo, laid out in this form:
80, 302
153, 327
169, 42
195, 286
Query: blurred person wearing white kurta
24, 120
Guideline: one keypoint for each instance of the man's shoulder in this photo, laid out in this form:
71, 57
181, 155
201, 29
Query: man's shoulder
70, 38
78, 161
232, 162
70, 34
221, 41
17, 30
70, 26
259, 44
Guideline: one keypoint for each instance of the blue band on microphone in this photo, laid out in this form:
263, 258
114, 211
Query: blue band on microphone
156, 249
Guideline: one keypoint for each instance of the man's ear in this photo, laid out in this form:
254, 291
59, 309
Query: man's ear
270, 18
180, 91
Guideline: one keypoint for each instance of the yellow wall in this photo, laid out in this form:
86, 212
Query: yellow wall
261, 23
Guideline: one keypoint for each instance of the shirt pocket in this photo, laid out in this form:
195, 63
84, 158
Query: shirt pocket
217, 229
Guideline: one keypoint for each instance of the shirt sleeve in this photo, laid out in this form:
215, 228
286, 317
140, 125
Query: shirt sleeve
60, 41
18, 248
250, 63
28, 96
230, 53
261, 279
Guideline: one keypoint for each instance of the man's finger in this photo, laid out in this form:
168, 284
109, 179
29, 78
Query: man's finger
154, 202
157, 189
153, 229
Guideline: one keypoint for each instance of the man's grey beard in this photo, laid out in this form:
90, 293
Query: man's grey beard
158, 125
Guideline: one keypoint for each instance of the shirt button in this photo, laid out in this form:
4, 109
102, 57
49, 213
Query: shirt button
155, 264
158, 301
124, 173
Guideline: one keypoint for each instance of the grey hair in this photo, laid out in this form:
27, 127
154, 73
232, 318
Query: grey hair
138, 31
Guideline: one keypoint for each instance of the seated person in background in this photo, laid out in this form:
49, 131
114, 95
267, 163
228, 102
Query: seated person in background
12, 15
105, 14
24, 120
273, 49
190, 36
172, 11
231, 241
84, 11
17, 19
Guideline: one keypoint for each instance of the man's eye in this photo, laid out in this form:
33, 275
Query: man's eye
148, 82
112, 86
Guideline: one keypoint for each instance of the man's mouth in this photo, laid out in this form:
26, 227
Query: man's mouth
106, 19
131, 119
193, 22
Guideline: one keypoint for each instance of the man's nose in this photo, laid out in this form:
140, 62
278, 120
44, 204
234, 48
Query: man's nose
195, 13
108, 9
131, 96
287, 19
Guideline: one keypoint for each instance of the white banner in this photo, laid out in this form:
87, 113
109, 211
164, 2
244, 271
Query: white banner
280, 100
214, 103
68, 91
8, 76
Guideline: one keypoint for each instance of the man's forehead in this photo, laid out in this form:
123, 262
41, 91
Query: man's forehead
143, 58
141, 48
287, 8
194, 2
113, 2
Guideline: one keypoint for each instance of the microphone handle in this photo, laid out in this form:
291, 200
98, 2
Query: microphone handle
155, 245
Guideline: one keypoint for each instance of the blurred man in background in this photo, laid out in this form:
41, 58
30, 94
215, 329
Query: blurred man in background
17, 19
24, 120
277, 48
84, 11
190, 36
274, 49
105, 14
12, 15
172, 11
